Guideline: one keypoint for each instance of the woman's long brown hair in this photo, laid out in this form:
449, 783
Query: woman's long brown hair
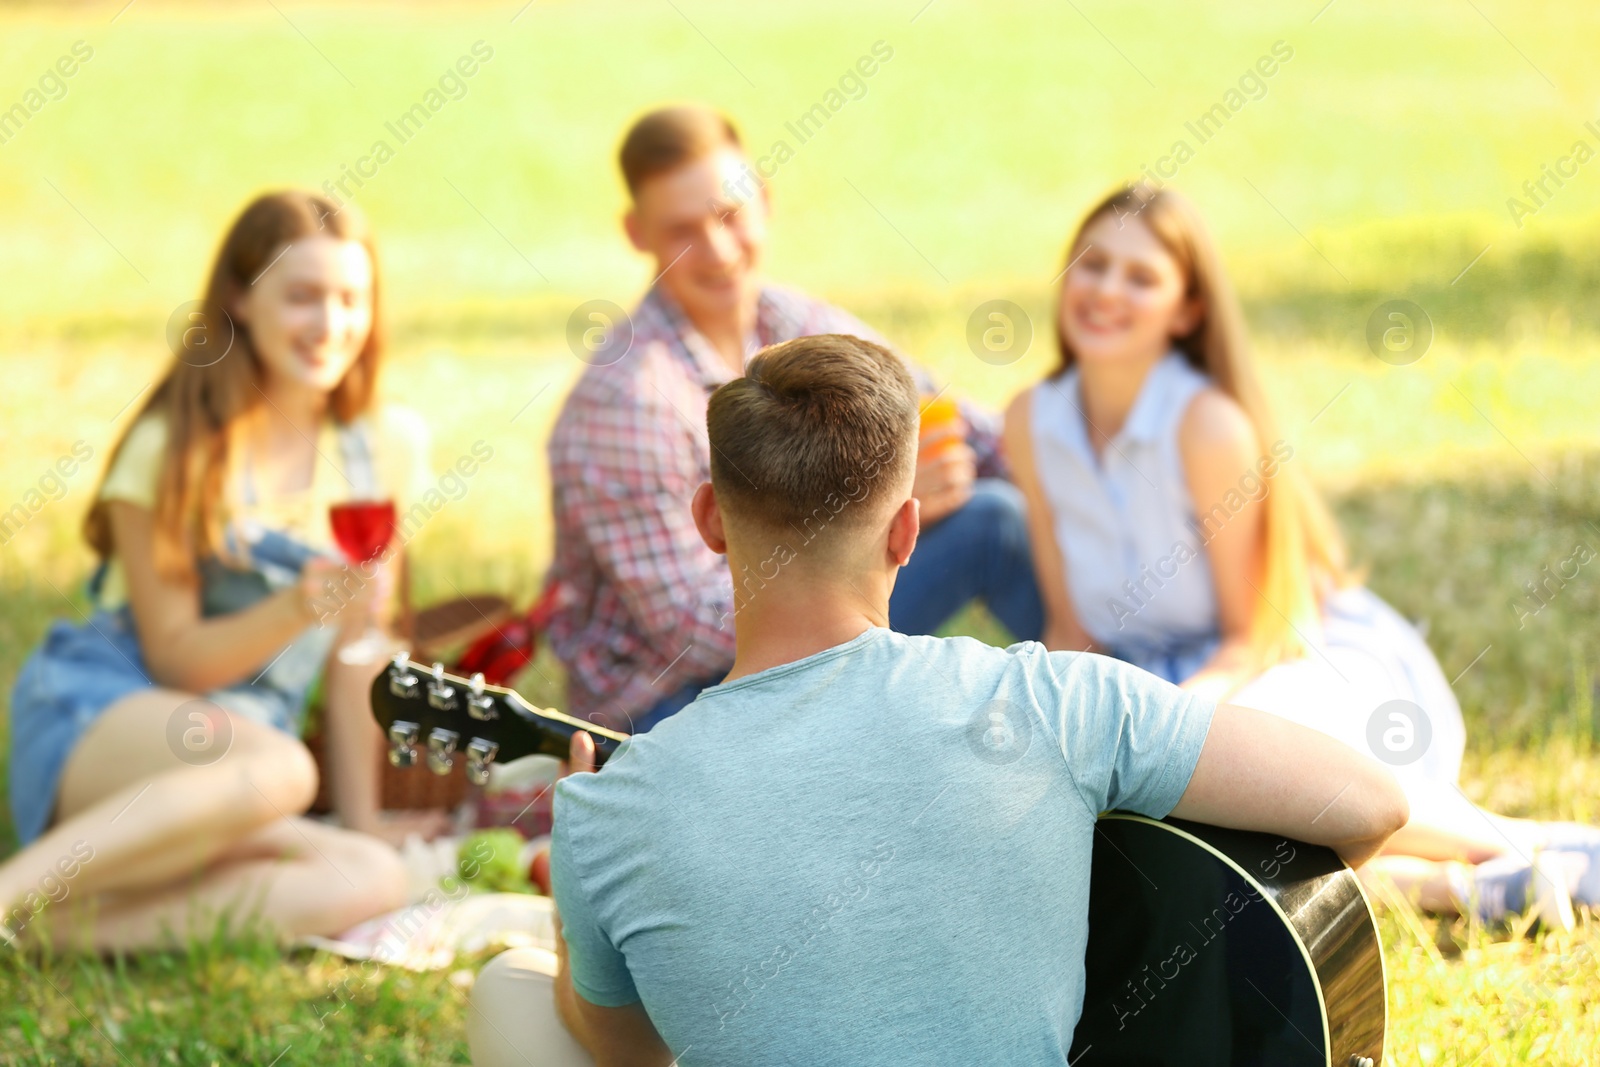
201, 401
1303, 553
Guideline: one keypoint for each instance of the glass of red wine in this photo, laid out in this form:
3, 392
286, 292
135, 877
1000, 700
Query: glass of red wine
363, 529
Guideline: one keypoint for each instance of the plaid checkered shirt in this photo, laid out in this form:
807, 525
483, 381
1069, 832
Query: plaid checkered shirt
644, 606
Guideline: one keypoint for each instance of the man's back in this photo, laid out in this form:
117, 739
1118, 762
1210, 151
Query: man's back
876, 854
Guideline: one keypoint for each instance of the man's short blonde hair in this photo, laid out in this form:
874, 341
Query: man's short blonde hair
669, 137
817, 434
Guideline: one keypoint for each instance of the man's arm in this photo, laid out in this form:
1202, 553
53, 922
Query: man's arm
623, 1036
1260, 772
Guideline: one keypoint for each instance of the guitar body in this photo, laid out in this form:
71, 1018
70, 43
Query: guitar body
1225, 947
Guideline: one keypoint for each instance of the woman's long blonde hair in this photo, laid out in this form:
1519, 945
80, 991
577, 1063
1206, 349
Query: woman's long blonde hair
1303, 555
202, 400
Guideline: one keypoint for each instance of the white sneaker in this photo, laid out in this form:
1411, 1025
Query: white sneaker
1499, 889
1553, 878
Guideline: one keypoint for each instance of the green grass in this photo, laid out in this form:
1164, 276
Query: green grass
238, 1000
981, 140
1376, 167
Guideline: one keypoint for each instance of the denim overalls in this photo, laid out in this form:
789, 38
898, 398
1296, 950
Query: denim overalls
80, 669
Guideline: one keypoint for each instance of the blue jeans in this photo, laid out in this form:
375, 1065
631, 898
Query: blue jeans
979, 552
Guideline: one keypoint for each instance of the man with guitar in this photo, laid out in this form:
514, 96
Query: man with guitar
643, 617
864, 847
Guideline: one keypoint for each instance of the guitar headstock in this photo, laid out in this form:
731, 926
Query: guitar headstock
437, 711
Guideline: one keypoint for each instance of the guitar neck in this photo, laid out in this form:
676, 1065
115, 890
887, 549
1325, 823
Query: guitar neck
443, 714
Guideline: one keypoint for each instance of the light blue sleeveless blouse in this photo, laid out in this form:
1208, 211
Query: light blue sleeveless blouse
1141, 583
1136, 565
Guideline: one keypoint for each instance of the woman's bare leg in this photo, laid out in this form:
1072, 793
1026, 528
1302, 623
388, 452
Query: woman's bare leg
294, 877
1445, 825
1426, 883
145, 817
1445, 887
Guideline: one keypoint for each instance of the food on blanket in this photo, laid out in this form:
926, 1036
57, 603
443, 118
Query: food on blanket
491, 861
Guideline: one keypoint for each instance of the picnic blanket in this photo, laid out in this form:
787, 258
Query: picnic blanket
443, 921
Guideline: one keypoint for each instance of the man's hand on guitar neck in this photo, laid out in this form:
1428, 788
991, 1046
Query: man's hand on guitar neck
622, 1036
1262, 772
580, 760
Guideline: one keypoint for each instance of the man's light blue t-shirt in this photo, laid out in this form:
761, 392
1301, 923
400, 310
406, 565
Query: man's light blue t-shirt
878, 854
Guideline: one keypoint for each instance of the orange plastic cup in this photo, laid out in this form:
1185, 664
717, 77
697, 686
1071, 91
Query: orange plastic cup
941, 429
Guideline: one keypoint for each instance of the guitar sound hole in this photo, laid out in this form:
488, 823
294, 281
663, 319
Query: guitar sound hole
1188, 963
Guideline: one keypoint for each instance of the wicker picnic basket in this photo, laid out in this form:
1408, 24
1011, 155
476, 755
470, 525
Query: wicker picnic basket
434, 631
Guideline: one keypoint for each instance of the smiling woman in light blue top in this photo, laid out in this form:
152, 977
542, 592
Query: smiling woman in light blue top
1173, 527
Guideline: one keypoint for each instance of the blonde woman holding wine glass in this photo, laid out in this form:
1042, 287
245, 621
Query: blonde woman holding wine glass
1172, 526
156, 741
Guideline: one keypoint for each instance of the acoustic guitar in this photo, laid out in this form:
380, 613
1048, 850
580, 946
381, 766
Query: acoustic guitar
1207, 947
1215, 946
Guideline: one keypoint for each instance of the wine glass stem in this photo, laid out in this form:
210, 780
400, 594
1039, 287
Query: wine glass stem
365, 649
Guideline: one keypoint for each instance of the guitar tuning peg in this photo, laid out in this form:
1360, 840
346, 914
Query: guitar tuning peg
480, 705
441, 694
403, 743
402, 683
441, 750
480, 753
